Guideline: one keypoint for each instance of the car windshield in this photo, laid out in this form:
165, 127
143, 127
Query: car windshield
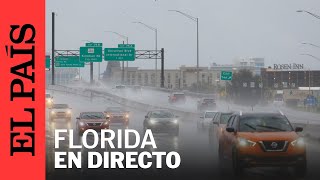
179, 95
208, 100
114, 109
92, 115
60, 106
161, 114
209, 114
264, 123
224, 118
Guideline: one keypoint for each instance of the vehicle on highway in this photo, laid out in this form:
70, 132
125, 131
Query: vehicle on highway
206, 104
161, 121
219, 123
177, 97
137, 89
262, 140
278, 99
120, 87
92, 120
60, 111
205, 120
117, 115
49, 100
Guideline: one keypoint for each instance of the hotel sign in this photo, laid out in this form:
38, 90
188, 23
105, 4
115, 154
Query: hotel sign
288, 66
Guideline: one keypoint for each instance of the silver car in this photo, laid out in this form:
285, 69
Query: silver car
161, 121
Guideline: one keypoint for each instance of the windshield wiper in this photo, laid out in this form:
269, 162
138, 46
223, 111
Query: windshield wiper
250, 126
270, 127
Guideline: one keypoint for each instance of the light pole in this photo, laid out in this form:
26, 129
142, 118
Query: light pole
310, 55
127, 40
312, 14
305, 43
195, 19
156, 46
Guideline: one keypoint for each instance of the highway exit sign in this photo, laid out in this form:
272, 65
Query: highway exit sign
68, 62
48, 62
91, 54
94, 44
119, 54
226, 76
126, 46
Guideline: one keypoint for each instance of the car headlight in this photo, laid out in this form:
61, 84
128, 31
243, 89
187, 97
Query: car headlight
127, 115
152, 121
53, 112
81, 123
175, 121
108, 115
298, 142
106, 123
245, 142
49, 100
69, 112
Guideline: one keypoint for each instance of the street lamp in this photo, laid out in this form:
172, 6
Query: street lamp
156, 46
310, 44
127, 40
195, 19
312, 14
310, 55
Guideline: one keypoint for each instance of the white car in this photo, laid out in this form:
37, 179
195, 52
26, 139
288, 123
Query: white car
206, 118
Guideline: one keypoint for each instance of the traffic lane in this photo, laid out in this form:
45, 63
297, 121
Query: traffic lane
192, 144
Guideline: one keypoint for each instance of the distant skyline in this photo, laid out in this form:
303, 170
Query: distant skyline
229, 29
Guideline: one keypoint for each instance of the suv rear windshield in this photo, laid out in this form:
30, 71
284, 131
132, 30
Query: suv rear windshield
264, 123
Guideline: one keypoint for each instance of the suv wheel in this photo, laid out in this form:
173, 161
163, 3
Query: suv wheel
301, 169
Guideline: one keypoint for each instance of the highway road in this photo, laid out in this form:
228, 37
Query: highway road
198, 157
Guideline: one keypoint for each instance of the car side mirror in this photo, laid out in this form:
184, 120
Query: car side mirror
299, 129
146, 117
107, 117
215, 122
177, 116
201, 117
230, 129
78, 118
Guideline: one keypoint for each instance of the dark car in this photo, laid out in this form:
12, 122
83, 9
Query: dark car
262, 140
92, 120
117, 115
206, 104
177, 97
161, 121
60, 111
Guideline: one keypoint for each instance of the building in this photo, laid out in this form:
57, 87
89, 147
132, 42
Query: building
254, 64
289, 78
181, 78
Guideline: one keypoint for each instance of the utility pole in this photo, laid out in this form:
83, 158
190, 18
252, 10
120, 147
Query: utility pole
52, 51
91, 72
162, 68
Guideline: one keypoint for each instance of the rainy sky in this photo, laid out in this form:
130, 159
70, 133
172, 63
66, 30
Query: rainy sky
228, 29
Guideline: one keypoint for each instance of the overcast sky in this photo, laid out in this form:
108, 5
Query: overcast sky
228, 29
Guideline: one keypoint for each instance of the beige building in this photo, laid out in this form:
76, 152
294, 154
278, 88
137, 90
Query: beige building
181, 78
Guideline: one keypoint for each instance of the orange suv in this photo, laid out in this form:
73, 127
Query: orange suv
262, 140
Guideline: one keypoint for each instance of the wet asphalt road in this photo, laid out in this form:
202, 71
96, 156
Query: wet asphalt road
198, 157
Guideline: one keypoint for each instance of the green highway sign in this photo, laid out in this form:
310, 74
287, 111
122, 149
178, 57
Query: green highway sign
94, 44
119, 54
68, 62
91, 54
48, 60
126, 46
226, 75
